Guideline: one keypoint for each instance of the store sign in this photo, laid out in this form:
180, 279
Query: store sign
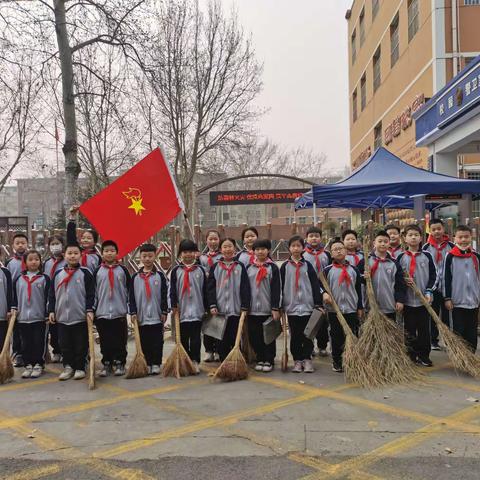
404, 120
364, 155
243, 197
453, 196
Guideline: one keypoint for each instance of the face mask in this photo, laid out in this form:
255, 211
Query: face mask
56, 249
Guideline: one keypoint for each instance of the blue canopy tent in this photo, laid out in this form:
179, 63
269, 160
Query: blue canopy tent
385, 181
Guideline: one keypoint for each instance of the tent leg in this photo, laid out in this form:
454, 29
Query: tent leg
419, 208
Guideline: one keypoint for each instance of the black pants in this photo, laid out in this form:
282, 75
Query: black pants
152, 343
228, 341
3, 333
53, 331
264, 353
439, 307
465, 324
17, 341
73, 341
34, 342
113, 339
301, 347
190, 335
322, 336
210, 344
392, 316
417, 331
337, 335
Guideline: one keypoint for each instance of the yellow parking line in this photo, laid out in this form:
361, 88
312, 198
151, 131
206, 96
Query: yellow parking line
26, 384
33, 473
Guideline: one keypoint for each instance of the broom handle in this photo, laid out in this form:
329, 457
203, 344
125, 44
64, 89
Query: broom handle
138, 343
240, 329
177, 327
8, 336
370, 292
341, 318
284, 325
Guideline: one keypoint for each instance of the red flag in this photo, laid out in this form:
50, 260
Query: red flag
136, 205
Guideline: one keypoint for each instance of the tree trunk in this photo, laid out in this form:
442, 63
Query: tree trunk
72, 167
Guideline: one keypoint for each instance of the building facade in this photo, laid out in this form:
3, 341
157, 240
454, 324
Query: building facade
8, 202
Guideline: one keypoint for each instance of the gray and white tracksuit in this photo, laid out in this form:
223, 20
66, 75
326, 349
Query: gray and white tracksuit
52, 265
439, 260
33, 309
347, 294
111, 302
207, 261
15, 265
356, 258
266, 295
245, 257
319, 258
6, 293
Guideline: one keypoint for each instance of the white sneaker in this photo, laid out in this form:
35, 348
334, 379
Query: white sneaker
259, 367
27, 373
209, 357
197, 367
37, 371
149, 370
267, 367
297, 367
79, 374
55, 358
118, 369
216, 357
106, 370
67, 373
308, 366
155, 369
323, 353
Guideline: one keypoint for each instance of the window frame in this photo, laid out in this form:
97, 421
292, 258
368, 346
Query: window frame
395, 34
413, 21
363, 92
353, 45
377, 136
377, 70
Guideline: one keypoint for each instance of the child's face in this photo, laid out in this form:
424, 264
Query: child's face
72, 256
437, 231
296, 249
314, 239
261, 253
56, 247
33, 262
350, 242
413, 238
463, 239
109, 254
20, 245
87, 240
381, 244
188, 257
249, 239
228, 250
147, 259
394, 237
338, 252
213, 240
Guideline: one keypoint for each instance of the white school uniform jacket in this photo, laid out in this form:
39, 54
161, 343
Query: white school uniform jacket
30, 297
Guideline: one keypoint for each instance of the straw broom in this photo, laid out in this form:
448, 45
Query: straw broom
285, 344
246, 346
91, 353
382, 343
234, 367
357, 369
6, 366
138, 368
178, 364
458, 351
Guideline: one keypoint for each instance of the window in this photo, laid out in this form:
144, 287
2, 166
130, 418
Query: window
354, 105
412, 18
375, 7
354, 47
377, 79
468, 60
363, 92
394, 41
274, 212
377, 141
362, 26
472, 2
473, 175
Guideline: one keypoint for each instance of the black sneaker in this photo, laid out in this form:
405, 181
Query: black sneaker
425, 362
336, 367
18, 361
435, 346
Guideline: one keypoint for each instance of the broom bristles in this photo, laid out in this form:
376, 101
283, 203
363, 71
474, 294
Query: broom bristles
233, 368
246, 346
178, 364
6, 365
138, 368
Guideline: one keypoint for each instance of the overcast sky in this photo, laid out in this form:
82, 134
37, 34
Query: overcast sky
303, 45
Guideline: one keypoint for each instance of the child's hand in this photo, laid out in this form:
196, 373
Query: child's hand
449, 305
276, 315
327, 298
73, 210
429, 298
214, 311
360, 313
134, 318
399, 307
163, 318
51, 318
409, 281
367, 275
90, 317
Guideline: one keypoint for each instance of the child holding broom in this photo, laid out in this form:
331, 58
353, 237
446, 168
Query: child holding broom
301, 293
395, 236
71, 301
420, 268
6, 294
265, 285
188, 287
461, 283
30, 296
228, 293
112, 286
249, 237
207, 260
148, 305
346, 286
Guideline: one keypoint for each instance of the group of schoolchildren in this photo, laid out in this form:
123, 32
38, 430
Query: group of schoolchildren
75, 285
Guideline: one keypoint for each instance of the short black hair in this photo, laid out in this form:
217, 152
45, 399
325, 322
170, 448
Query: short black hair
20, 235
109, 243
296, 238
265, 243
382, 233
249, 229
56, 237
463, 228
413, 227
228, 239
313, 230
349, 232
72, 245
148, 247
94, 234
437, 221
336, 240
187, 245
392, 226
212, 230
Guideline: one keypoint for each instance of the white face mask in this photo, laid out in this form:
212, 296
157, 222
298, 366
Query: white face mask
56, 249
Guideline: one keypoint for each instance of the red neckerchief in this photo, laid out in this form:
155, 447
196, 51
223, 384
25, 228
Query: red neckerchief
66, 280
228, 268
85, 254
316, 254
210, 256
111, 276
392, 251
438, 247
146, 280
344, 276
30, 281
355, 257
251, 254
377, 262
56, 262
456, 252
186, 277
298, 266
413, 261
262, 272
22, 259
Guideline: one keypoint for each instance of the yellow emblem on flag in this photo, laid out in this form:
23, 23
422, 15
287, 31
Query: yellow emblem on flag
135, 195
